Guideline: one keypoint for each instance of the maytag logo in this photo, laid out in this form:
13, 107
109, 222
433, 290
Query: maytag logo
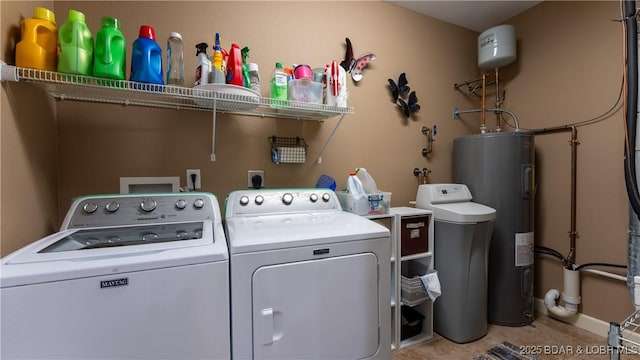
114, 283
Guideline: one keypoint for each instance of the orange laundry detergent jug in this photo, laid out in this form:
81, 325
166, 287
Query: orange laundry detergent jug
37, 48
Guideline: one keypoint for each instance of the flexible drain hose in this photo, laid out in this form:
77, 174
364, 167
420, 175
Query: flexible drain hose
630, 174
632, 104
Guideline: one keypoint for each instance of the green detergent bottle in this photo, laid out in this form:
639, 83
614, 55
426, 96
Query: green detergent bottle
75, 42
110, 51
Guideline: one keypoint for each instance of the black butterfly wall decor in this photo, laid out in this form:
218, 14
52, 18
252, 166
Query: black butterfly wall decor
401, 88
399, 91
353, 65
410, 107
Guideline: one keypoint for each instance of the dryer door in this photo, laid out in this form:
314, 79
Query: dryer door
323, 309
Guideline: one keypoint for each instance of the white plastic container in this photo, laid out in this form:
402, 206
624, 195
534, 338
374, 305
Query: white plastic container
336, 91
254, 77
175, 60
367, 181
497, 47
203, 69
354, 186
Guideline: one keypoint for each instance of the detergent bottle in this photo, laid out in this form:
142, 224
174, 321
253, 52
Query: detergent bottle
278, 87
146, 58
246, 80
38, 47
218, 69
254, 77
204, 65
355, 187
368, 184
234, 66
110, 51
75, 55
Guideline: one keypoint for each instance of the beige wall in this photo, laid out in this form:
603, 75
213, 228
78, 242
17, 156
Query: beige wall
28, 140
568, 70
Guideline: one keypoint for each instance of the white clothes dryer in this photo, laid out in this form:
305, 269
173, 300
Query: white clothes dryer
139, 276
308, 281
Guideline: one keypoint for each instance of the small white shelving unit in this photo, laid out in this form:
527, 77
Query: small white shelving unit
91, 89
410, 227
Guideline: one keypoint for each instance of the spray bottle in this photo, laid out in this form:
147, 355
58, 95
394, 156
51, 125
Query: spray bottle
204, 65
218, 63
245, 70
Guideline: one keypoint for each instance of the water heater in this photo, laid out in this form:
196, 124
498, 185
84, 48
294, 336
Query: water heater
498, 168
497, 47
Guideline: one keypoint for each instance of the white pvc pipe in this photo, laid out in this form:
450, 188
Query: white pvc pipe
606, 274
636, 292
570, 296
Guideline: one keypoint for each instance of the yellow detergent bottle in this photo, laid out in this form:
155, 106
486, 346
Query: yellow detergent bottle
218, 70
38, 46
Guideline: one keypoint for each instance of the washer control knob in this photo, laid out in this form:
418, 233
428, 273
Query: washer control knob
198, 204
313, 198
287, 199
90, 207
326, 197
148, 205
181, 204
259, 200
112, 207
244, 200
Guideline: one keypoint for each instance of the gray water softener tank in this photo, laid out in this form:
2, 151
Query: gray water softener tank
462, 235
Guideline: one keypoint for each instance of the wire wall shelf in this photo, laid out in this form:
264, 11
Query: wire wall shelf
91, 89
624, 338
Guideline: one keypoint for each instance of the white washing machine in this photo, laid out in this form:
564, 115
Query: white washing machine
308, 281
140, 276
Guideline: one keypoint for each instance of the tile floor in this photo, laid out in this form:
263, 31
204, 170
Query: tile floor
548, 338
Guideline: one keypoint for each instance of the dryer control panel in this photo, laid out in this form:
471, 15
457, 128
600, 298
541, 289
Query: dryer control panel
277, 201
133, 209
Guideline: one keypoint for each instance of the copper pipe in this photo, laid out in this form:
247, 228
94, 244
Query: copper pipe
573, 234
483, 127
466, 83
498, 102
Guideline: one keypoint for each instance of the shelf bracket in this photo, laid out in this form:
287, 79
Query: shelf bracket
319, 161
8, 72
213, 130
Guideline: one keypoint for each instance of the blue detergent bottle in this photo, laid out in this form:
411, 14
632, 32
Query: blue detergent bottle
146, 58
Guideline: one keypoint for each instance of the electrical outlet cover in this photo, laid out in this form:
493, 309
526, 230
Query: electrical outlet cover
251, 174
198, 184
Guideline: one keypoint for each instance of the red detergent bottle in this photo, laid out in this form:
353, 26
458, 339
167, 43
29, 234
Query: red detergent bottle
234, 66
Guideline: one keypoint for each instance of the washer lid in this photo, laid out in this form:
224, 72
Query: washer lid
269, 232
463, 212
62, 256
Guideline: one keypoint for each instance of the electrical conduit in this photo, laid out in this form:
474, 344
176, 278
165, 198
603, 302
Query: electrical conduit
631, 132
